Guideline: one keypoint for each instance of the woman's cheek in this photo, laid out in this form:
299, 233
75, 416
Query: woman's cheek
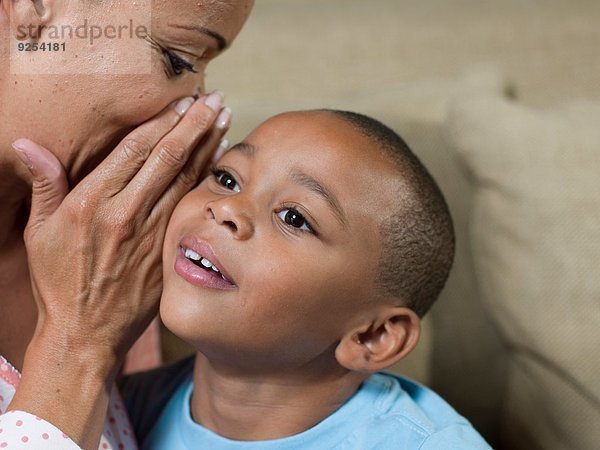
140, 99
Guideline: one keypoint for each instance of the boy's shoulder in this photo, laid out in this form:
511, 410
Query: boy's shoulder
401, 413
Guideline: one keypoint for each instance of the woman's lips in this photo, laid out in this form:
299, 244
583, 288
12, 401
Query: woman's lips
197, 275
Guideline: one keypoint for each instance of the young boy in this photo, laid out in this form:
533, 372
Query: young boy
299, 270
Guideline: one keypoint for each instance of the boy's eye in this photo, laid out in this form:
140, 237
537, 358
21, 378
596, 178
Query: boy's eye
175, 64
226, 179
294, 219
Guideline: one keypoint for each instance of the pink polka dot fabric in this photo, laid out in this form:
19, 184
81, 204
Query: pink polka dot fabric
21, 430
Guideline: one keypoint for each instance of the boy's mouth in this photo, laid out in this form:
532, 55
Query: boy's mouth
197, 263
203, 262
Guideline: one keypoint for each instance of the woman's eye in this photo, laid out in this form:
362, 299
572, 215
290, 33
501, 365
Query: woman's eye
226, 179
175, 64
294, 219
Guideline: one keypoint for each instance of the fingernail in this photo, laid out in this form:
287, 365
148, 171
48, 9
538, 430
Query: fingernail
224, 118
183, 105
223, 146
21, 152
215, 100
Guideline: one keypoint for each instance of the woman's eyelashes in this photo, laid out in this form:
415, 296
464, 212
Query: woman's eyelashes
289, 215
175, 64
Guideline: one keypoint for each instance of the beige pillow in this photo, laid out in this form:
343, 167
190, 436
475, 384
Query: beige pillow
535, 235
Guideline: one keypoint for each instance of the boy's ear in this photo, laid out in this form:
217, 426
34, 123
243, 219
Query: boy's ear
27, 16
391, 336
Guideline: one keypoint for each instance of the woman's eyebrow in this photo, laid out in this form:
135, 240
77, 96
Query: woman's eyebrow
221, 42
307, 181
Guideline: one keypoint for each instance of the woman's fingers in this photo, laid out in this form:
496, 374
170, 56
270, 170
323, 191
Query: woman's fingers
49, 180
172, 154
197, 166
223, 147
117, 170
203, 153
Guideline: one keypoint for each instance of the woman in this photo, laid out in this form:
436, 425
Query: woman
79, 99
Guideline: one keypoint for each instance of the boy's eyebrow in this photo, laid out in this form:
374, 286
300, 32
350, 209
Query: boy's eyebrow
315, 186
303, 179
244, 148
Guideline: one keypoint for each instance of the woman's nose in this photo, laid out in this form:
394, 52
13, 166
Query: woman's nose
229, 212
199, 86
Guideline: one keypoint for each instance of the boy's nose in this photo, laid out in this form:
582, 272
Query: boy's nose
229, 212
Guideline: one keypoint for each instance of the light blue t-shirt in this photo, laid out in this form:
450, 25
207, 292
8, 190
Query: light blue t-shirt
387, 412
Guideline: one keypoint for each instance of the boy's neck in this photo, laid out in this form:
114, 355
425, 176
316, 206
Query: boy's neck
256, 408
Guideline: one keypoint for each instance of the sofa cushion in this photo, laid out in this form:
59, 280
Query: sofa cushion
535, 237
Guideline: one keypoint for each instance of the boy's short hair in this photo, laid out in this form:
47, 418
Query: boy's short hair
418, 236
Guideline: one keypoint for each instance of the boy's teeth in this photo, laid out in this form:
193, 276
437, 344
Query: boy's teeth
191, 254
206, 263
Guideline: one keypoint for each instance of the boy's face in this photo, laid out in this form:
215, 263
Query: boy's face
290, 218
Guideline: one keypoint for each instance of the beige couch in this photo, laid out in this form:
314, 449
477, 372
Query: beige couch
501, 99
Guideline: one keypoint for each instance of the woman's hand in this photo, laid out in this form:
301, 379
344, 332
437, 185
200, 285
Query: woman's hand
95, 255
